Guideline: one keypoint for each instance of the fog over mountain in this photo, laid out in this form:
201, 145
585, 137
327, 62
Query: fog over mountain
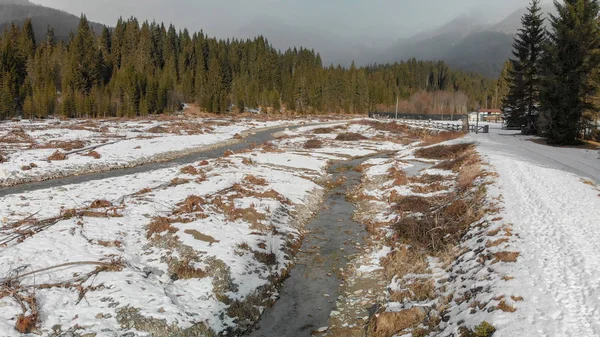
471, 34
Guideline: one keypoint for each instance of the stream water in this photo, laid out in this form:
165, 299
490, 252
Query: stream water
308, 296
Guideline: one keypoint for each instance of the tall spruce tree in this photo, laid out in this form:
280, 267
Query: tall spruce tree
522, 102
571, 57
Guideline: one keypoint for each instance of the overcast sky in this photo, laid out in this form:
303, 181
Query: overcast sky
225, 18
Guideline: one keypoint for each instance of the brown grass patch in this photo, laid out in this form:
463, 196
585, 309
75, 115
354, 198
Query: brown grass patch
391, 127
203, 163
588, 182
468, 175
387, 324
160, 225
255, 180
93, 154
143, 191
313, 144
416, 291
184, 271
509, 257
505, 307
101, 204
403, 261
189, 170
323, 131
3, 159
440, 137
190, 205
57, 155
444, 152
496, 243
17, 135
350, 137
238, 136
64, 145
178, 181
399, 176
26, 324
516, 298
228, 153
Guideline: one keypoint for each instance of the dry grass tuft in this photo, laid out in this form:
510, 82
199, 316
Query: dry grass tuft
143, 191
444, 152
228, 153
160, 225
184, 271
26, 324
255, 180
101, 204
496, 243
440, 137
505, 307
509, 257
417, 291
178, 181
323, 131
203, 163
405, 260
468, 175
191, 204
388, 324
313, 144
238, 136
189, 170
516, 298
17, 135
391, 127
3, 159
93, 154
350, 137
57, 155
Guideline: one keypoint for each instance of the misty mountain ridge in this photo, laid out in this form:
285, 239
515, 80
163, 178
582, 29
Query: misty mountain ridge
16, 11
467, 42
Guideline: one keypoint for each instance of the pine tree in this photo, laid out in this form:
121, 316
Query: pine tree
522, 102
571, 57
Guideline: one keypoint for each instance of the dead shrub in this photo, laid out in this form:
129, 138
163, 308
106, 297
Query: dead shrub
160, 225
313, 144
350, 137
444, 152
443, 220
101, 204
57, 155
508, 257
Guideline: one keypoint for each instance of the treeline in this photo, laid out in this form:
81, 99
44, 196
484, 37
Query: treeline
136, 70
553, 79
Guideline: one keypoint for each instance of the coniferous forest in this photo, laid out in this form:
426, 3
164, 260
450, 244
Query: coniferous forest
138, 69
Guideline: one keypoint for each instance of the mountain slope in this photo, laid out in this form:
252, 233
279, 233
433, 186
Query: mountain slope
465, 43
63, 23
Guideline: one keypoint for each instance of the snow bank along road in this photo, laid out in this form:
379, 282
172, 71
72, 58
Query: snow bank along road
556, 218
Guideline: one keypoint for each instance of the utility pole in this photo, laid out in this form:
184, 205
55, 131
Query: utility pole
397, 102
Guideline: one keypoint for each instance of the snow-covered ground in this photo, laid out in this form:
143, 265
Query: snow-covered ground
26, 146
186, 249
556, 218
